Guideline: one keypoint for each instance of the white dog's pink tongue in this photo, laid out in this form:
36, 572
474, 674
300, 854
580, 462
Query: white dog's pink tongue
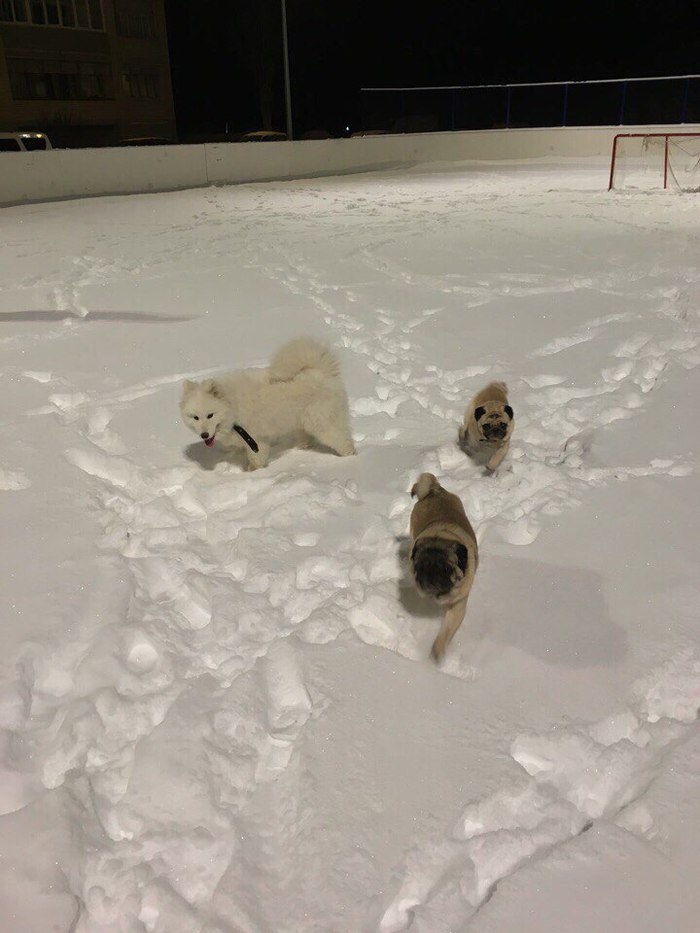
209, 441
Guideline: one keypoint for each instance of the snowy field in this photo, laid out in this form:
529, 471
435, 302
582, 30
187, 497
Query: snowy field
218, 711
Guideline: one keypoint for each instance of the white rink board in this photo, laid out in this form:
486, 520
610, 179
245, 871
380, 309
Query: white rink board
74, 173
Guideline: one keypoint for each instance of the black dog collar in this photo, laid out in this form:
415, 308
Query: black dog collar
246, 437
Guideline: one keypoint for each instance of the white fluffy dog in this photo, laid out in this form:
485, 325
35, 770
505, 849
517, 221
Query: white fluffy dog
299, 395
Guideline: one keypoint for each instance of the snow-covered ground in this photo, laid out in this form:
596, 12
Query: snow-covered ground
218, 709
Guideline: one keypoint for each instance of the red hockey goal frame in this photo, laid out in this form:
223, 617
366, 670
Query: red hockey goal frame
664, 136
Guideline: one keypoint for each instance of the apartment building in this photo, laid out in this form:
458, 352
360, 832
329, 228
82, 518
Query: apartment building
87, 72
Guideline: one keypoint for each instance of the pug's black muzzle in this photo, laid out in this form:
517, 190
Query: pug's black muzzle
495, 431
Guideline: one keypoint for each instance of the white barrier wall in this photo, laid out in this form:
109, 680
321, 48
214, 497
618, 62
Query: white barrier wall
73, 173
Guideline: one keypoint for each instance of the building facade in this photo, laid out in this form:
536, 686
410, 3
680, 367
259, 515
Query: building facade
86, 72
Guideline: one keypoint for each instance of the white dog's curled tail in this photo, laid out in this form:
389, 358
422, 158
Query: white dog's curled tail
426, 484
300, 355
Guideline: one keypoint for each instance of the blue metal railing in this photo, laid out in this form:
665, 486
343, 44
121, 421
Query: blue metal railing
671, 99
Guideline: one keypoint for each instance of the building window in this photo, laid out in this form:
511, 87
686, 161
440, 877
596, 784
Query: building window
55, 80
70, 14
144, 86
37, 11
135, 25
67, 14
13, 11
95, 10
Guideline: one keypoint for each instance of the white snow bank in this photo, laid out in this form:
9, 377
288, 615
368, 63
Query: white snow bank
218, 711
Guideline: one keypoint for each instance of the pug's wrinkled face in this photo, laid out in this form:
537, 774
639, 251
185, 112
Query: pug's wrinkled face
494, 421
439, 565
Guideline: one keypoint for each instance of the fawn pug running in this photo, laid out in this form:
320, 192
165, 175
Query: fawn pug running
444, 554
488, 425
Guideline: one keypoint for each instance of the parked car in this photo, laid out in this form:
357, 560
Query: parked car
262, 136
24, 142
145, 141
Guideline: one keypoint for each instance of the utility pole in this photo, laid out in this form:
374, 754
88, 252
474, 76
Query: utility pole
287, 88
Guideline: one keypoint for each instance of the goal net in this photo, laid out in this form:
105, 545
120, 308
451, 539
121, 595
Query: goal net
645, 161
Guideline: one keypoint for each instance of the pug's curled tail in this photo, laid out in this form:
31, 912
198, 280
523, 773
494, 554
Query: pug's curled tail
303, 355
425, 484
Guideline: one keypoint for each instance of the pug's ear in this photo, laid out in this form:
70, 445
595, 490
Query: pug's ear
462, 556
478, 413
509, 411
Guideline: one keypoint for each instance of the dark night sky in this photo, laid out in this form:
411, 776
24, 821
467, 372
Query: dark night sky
223, 51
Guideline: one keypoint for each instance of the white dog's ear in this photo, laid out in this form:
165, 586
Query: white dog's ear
187, 386
211, 386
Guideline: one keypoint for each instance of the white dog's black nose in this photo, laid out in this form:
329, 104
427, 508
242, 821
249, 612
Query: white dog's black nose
204, 435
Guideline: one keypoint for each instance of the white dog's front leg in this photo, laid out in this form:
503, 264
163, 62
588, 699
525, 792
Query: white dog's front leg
259, 458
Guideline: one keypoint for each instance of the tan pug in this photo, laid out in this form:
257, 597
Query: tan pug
444, 554
488, 425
